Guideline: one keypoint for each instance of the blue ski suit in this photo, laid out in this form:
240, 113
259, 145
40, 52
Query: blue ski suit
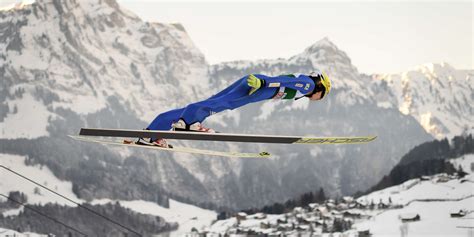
235, 96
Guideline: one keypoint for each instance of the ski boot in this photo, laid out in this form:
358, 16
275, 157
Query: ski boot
160, 142
195, 127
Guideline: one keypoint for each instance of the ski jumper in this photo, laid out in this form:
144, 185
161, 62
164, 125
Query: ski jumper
235, 96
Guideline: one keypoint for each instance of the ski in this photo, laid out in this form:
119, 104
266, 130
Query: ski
224, 137
175, 149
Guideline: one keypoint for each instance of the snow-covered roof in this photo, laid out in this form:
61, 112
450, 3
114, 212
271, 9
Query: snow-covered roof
408, 216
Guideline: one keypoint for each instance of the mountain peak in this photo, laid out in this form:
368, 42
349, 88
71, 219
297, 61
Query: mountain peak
325, 52
326, 42
322, 43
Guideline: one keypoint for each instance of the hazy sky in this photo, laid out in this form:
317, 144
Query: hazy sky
388, 36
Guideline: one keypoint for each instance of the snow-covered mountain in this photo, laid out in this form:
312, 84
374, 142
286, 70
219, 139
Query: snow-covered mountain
71, 64
76, 55
439, 96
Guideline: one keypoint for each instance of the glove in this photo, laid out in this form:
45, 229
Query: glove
254, 83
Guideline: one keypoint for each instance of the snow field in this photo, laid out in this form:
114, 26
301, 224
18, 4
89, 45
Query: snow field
433, 201
42, 175
29, 121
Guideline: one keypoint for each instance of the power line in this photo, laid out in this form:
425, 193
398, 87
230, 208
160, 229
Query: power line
44, 215
78, 204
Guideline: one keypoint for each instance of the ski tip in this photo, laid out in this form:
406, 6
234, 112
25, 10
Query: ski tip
336, 140
75, 137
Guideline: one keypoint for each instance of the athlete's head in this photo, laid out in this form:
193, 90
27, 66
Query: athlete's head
322, 85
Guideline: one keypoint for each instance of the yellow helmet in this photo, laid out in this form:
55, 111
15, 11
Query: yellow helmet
319, 76
326, 83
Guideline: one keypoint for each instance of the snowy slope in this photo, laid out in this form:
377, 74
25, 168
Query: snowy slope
465, 162
27, 110
432, 200
435, 220
414, 190
40, 174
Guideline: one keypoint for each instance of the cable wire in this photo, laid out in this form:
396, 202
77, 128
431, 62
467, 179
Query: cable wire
66, 198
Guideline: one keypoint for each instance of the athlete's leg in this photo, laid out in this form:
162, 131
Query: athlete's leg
234, 96
164, 120
232, 99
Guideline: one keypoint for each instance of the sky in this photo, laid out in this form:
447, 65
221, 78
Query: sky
379, 37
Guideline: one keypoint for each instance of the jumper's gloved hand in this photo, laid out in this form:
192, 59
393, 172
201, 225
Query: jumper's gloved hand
254, 83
